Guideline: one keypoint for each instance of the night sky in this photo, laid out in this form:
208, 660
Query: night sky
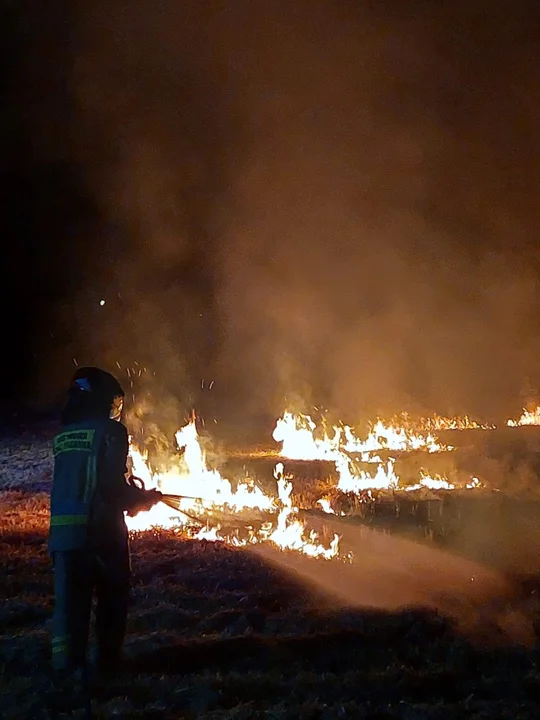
309, 202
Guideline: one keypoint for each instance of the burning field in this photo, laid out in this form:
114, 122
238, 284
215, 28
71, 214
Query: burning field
264, 496
383, 572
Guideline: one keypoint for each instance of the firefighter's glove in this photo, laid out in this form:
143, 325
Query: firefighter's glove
151, 498
147, 501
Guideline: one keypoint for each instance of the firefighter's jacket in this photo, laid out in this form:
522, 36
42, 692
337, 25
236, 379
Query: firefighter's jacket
90, 492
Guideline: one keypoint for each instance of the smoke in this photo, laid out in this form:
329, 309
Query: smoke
347, 275
313, 202
395, 574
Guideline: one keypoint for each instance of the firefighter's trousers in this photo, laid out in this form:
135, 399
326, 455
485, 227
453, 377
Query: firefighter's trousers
78, 575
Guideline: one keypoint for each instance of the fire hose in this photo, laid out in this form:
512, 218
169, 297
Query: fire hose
174, 501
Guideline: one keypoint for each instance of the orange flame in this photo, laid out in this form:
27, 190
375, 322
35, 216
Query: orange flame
298, 436
300, 439
193, 478
528, 417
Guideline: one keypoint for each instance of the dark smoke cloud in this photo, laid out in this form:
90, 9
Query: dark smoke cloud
315, 202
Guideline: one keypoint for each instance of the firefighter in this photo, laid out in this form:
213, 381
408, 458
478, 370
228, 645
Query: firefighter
88, 537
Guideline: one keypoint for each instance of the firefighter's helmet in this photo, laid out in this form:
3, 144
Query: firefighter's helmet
100, 387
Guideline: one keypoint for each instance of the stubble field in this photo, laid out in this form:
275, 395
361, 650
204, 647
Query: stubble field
216, 632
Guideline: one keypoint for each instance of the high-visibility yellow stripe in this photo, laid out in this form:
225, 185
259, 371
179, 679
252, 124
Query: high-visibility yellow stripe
57, 520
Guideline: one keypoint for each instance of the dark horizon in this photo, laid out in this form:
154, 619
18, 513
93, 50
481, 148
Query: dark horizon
323, 203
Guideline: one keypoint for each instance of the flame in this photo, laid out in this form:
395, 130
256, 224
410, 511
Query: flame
528, 417
209, 494
295, 432
326, 506
298, 435
389, 437
438, 422
193, 478
288, 534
